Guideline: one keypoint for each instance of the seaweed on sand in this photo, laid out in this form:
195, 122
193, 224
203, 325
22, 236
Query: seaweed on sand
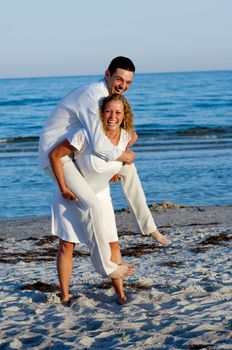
220, 239
41, 287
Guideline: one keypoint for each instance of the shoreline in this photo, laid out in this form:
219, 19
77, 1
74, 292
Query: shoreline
165, 214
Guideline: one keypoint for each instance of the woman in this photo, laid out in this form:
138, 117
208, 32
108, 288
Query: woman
117, 119
67, 217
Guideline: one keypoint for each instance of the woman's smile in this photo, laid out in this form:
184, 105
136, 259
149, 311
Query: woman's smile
113, 115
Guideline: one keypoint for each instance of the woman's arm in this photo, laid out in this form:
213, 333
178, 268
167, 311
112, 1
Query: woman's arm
63, 149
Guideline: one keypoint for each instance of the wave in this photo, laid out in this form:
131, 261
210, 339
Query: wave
175, 131
151, 139
20, 139
212, 104
16, 145
152, 130
28, 101
202, 130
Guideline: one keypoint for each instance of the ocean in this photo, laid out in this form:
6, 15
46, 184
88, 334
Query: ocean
184, 150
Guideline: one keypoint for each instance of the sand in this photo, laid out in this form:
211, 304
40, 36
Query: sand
181, 294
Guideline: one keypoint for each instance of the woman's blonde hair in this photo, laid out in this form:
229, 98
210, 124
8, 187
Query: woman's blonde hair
128, 122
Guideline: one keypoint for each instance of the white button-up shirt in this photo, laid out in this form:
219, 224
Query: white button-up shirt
78, 110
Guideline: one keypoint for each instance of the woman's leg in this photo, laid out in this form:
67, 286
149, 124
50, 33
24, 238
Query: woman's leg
64, 268
93, 225
117, 282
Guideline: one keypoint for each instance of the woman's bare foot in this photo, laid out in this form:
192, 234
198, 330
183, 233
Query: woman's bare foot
159, 237
66, 303
122, 300
123, 271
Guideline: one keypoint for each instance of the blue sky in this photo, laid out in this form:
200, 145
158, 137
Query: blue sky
72, 37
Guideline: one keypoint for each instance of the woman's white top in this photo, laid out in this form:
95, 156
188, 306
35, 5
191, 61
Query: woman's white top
97, 173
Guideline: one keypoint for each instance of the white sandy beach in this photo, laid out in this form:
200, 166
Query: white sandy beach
181, 294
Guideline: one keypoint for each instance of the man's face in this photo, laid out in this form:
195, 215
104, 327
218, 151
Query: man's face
119, 81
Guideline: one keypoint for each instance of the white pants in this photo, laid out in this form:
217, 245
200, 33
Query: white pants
92, 215
136, 199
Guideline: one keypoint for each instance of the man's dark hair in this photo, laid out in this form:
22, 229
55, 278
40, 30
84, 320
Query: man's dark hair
121, 62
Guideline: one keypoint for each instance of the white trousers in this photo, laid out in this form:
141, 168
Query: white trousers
136, 199
92, 216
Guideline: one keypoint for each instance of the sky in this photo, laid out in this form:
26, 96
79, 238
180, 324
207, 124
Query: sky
80, 37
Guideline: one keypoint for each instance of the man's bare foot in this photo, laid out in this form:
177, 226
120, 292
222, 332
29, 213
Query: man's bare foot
123, 271
159, 237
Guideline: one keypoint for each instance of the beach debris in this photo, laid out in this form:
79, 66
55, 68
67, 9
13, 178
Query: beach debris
46, 240
41, 287
128, 233
123, 210
28, 256
200, 249
173, 263
31, 238
220, 239
123, 335
164, 206
201, 347
141, 249
137, 285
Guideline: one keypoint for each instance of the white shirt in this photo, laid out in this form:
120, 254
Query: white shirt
96, 171
78, 110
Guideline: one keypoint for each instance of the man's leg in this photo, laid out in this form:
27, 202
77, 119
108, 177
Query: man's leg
64, 268
137, 201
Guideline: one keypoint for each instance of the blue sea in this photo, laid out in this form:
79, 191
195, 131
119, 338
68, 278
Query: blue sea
184, 150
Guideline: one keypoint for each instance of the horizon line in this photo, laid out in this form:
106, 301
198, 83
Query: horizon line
99, 74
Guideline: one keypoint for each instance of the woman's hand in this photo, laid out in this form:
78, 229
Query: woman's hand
69, 195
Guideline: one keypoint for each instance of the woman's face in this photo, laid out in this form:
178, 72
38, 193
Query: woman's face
113, 115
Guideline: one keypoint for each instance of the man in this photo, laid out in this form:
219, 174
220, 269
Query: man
80, 110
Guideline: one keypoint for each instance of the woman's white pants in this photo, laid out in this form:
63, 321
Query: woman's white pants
92, 217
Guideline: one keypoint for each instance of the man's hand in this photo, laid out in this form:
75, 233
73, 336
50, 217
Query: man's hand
130, 157
127, 157
115, 178
133, 139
